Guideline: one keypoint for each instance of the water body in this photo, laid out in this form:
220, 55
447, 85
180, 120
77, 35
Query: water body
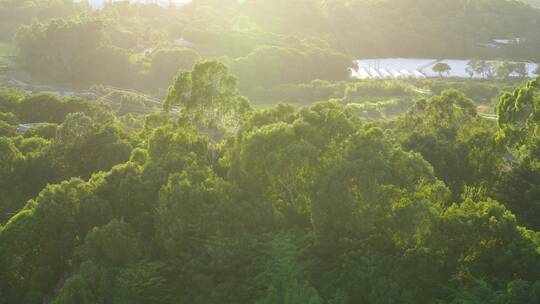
99, 4
396, 68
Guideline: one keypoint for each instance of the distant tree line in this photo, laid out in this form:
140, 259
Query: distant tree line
503, 70
287, 42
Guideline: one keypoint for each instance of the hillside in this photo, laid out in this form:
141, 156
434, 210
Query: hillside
268, 152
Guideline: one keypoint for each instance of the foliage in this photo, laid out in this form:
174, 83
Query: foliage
165, 64
142, 46
450, 135
207, 97
519, 131
295, 205
272, 65
89, 60
442, 68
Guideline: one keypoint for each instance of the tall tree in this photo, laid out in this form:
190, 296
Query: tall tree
207, 97
472, 67
519, 123
285, 277
442, 68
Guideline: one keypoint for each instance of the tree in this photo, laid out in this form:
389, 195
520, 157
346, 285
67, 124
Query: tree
11, 159
286, 170
518, 115
192, 208
9, 156
441, 68
207, 97
83, 147
74, 50
52, 219
521, 70
518, 123
90, 284
47, 50
472, 67
258, 69
112, 245
145, 283
487, 220
175, 150
450, 135
516, 292
485, 68
285, 277
298, 205
75, 128
287, 148
504, 70
370, 169
129, 196
507, 69
165, 64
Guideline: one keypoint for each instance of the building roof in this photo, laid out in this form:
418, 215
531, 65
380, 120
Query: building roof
183, 42
23, 128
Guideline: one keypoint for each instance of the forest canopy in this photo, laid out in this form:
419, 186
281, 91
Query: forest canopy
293, 205
221, 152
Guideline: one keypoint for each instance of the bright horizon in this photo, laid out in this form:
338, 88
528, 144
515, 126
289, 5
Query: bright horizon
99, 4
